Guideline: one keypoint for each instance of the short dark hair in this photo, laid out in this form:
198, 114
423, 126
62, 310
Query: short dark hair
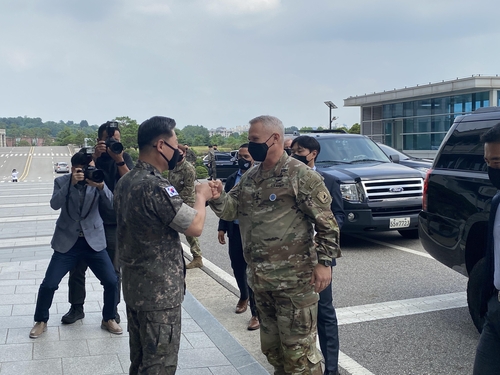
103, 127
306, 141
153, 128
210, 146
491, 135
244, 145
79, 158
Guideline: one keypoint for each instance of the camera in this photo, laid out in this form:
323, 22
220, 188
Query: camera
111, 143
89, 171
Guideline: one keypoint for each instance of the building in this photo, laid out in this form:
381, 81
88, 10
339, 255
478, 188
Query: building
2, 138
416, 119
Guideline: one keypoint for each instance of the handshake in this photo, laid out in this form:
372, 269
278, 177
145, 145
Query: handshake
209, 190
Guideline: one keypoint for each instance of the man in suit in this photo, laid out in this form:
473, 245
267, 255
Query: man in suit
306, 149
487, 360
114, 166
232, 228
79, 234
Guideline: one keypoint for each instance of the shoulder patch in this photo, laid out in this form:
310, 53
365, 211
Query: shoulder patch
171, 191
322, 196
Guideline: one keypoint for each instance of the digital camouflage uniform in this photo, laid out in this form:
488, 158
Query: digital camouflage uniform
276, 210
182, 178
190, 156
150, 213
212, 164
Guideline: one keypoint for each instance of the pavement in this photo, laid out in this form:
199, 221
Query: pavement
84, 348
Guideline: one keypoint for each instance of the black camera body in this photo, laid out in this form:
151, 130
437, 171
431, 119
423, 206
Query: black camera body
111, 143
89, 171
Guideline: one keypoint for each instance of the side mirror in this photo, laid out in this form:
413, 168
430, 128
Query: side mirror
394, 158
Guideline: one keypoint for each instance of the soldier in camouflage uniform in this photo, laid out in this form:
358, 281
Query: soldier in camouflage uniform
182, 178
150, 213
212, 165
277, 204
190, 155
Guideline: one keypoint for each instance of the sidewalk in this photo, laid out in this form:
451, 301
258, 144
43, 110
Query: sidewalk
84, 348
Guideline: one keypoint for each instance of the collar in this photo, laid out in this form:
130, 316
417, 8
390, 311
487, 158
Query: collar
148, 167
276, 171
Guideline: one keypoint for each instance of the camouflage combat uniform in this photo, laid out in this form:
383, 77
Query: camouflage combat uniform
276, 210
150, 213
212, 164
190, 156
182, 178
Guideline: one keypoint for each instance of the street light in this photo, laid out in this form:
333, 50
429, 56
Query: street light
331, 106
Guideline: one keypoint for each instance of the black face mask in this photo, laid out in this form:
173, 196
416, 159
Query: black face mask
244, 164
288, 151
302, 158
494, 175
259, 150
175, 157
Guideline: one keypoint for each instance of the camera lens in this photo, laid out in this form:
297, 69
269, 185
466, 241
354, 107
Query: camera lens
116, 147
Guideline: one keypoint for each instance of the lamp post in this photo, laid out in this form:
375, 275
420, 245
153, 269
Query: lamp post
331, 106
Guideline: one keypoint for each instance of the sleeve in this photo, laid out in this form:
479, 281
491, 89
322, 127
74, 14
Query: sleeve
60, 191
189, 181
314, 201
128, 160
337, 205
226, 207
169, 207
105, 198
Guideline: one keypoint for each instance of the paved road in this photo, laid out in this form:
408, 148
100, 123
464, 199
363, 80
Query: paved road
400, 311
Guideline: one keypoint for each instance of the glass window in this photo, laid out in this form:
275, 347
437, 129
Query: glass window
417, 142
424, 107
424, 124
408, 109
408, 125
481, 99
387, 111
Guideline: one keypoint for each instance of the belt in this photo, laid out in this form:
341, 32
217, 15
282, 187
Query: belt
81, 234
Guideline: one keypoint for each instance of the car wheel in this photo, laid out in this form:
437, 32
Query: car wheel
411, 233
476, 281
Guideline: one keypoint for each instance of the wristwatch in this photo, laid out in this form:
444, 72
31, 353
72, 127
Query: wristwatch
326, 263
120, 164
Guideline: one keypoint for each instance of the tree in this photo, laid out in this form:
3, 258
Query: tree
128, 131
84, 124
355, 129
291, 129
196, 135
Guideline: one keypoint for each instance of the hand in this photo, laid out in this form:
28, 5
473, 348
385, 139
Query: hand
100, 148
204, 190
321, 277
77, 176
99, 185
216, 187
220, 237
118, 158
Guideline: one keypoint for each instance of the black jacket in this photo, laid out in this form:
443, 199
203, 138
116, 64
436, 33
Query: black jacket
337, 206
489, 266
227, 226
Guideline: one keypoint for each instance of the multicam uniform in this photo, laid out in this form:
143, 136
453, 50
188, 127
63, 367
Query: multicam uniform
276, 210
182, 178
212, 163
190, 156
150, 213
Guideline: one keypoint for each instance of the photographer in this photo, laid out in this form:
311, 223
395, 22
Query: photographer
79, 236
114, 163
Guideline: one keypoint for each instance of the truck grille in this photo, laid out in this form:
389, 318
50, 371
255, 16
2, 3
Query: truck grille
396, 211
378, 190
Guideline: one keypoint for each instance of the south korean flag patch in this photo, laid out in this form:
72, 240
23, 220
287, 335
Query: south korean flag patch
171, 191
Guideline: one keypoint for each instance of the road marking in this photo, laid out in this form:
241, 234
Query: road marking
24, 196
18, 219
13, 205
396, 247
25, 241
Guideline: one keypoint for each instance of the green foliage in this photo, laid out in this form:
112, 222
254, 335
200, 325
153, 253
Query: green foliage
195, 135
128, 131
134, 153
217, 139
23, 143
201, 172
291, 129
355, 129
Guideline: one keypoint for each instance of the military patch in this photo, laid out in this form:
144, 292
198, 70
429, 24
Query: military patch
171, 191
322, 196
272, 197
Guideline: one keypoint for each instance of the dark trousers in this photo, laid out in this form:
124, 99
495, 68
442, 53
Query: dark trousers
487, 360
154, 340
76, 282
61, 263
239, 266
328, 330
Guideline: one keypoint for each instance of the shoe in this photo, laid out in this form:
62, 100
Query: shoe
241, 306
197, 262
75, 313
331, 372
117, 317
38, 329
112, 326
253, 324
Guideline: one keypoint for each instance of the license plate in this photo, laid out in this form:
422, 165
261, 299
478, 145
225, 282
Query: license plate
399, 222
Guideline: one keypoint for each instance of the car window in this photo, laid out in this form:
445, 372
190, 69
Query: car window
391, 151
349, 149
222, 157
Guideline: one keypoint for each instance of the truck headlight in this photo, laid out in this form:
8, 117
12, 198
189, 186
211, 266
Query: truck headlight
350, 192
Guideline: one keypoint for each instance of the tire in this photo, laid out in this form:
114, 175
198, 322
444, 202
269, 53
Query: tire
411, 233
476, 280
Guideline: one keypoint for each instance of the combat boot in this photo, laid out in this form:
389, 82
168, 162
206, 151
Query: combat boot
75, 313
197, 262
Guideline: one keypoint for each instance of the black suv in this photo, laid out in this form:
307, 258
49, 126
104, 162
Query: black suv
227, 163
379, 195
453, 224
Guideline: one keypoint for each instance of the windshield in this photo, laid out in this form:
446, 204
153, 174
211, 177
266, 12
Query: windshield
349, 150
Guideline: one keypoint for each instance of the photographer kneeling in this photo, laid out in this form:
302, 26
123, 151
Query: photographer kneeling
114, 163
79, 235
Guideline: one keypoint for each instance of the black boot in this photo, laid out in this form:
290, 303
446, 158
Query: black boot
117, 317
75, 313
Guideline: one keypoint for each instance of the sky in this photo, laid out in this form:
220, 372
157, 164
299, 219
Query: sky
223, 62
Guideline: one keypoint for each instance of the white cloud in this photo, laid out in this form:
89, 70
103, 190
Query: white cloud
152, 7
240, 7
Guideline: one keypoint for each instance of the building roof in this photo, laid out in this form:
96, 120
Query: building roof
444, 88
